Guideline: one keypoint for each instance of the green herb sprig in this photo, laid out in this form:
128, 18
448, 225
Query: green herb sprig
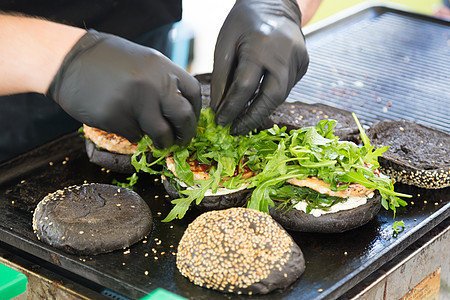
275, 156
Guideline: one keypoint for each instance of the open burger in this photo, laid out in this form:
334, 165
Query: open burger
109, 150
317, 183
276, 170
212, 172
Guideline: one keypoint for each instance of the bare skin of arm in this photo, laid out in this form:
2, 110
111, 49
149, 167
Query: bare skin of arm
32, 51
308, 9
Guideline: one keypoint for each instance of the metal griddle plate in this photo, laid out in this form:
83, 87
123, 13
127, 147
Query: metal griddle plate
334, 262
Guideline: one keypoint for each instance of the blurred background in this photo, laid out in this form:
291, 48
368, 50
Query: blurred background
196, 34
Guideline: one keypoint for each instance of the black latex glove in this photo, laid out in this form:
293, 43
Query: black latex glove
260, 39
121, 87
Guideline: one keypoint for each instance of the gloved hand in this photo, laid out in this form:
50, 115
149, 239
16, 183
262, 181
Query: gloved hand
121, 87
260, 40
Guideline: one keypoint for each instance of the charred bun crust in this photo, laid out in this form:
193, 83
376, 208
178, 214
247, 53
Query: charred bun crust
92, 218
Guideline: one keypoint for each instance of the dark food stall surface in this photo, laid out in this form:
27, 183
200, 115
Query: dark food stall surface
353, 66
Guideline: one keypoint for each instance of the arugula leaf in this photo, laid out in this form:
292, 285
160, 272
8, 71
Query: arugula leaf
398, 227
275, 156
182, 168
132, 180
289, 195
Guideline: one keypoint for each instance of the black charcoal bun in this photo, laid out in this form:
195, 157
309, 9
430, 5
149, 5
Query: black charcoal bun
91, 219
239, 250
116, 162
340, 221
235, 199
417, 155
295, 115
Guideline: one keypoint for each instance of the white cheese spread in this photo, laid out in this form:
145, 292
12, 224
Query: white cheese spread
350, 203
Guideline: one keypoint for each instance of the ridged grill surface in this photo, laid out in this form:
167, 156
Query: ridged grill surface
388, 67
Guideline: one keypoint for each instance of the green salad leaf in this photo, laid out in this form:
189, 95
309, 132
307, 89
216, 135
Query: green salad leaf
274, 156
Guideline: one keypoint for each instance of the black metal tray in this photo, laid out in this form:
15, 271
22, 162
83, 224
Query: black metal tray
334, 262
382, 64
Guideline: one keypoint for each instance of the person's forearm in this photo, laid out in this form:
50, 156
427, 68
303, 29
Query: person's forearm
308, 9
31, 51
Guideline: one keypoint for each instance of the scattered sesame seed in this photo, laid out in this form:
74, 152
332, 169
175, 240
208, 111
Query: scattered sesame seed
345, 253
64, 162
320, 290
107, 171
402, 129
118, 204
50, 163
146, 273
23, 181
144, 242
146, 254
103, 169
81, 232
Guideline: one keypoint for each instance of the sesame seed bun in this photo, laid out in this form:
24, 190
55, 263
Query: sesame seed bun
417, 155
92, 218
240, 251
